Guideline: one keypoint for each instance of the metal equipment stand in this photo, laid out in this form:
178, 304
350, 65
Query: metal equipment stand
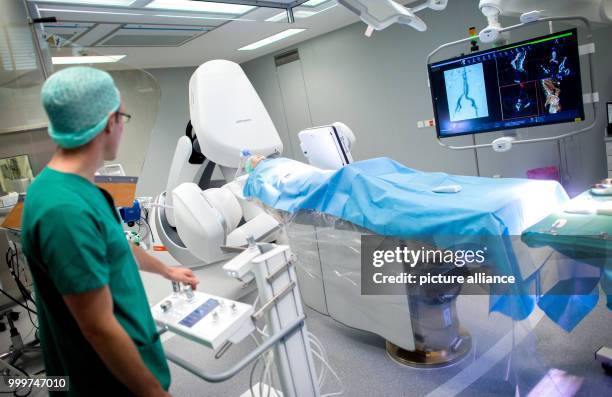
275, 276
18, 348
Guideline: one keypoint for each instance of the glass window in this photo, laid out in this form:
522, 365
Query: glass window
15, 174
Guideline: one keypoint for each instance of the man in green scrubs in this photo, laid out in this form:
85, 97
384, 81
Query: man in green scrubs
95, 323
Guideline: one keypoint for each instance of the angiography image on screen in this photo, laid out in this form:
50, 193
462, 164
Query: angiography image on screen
518, 64
555, 68
534, 82
465, 91
519, 100
552, 94
534, 75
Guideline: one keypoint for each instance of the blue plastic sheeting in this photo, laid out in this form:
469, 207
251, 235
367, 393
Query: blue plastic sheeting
393, 200
569, 310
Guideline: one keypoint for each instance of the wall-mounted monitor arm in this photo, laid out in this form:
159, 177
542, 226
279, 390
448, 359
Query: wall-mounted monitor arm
589, 54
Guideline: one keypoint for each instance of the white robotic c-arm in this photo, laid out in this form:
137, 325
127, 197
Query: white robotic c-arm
198, 217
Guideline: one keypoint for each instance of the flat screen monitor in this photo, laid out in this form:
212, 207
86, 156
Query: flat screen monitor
525, 84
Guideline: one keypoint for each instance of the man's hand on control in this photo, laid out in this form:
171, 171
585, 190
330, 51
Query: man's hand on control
182, 275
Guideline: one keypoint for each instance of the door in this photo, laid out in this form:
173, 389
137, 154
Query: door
292, 85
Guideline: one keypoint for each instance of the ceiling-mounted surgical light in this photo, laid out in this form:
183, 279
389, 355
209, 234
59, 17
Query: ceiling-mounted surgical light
381, 14
272, 39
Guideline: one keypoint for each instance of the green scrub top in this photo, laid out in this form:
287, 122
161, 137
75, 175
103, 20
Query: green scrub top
74, 242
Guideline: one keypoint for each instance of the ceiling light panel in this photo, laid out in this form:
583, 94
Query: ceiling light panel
200, 6
272, 39
44, 9
86, 59
120, 3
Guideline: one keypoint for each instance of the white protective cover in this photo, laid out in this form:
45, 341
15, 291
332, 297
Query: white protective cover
204, 218
261, 225
180, 171
228, 115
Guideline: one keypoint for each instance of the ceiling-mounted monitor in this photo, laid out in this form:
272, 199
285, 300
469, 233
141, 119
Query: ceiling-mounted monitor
530, 83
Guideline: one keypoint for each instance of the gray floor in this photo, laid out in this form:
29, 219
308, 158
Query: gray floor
360, 360
361, 363
504, 355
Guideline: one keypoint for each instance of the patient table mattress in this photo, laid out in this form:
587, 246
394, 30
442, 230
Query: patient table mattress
390, 199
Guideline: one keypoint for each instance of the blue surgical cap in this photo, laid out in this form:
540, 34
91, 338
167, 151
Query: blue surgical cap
78, 101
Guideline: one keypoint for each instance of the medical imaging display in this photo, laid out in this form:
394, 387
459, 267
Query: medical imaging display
465, 91
534, 82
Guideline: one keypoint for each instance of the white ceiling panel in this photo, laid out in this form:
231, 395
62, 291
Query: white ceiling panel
191, 32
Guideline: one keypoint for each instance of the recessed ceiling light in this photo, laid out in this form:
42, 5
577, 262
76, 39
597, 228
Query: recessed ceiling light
123, 3
89, 12
86, 59
272, 39
200, 6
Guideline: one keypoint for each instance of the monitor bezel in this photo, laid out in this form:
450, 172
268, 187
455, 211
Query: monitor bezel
501, 48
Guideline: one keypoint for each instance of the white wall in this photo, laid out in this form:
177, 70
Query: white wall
378, 86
